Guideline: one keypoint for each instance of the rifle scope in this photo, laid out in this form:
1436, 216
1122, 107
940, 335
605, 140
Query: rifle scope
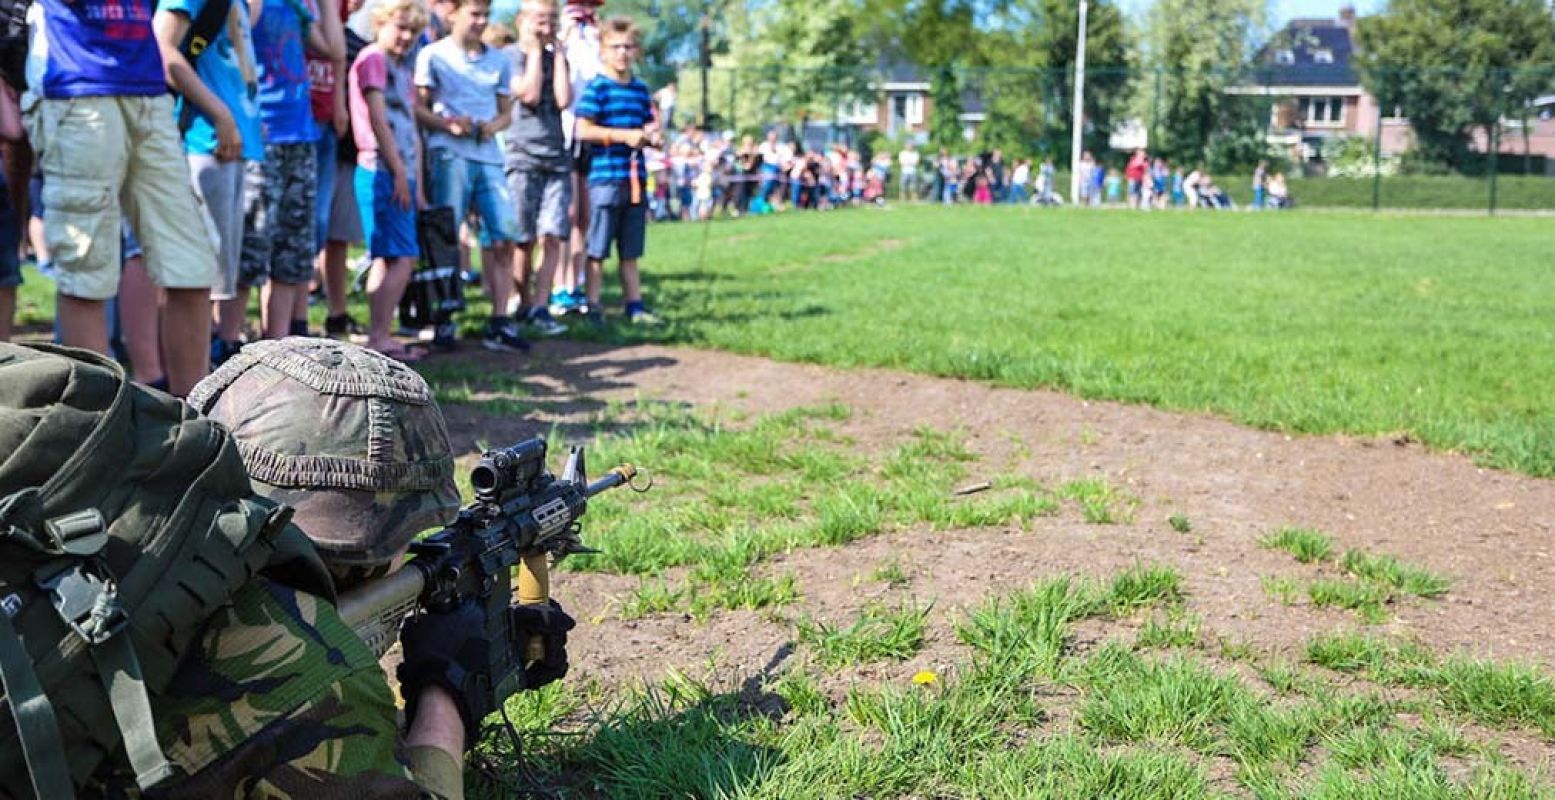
507, 468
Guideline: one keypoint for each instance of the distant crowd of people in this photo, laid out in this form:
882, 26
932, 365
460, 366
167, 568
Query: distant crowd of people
701, 174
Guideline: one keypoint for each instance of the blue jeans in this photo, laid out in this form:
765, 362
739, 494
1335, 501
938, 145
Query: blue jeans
324, 158
459, 183
1017, 195
1257, 197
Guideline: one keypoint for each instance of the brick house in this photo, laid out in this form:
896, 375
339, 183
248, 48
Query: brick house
1316, 96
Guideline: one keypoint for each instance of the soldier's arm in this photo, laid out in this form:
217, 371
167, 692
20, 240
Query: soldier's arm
435, 745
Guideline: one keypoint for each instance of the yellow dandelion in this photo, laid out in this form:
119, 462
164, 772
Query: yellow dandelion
924, 678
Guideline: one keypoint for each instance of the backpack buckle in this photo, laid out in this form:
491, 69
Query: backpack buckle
79, 533
87, 603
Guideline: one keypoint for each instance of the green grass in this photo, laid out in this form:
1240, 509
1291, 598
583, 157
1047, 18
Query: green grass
1271, 320
1366, 599
879, 633
1306, 545
1036, 715
1395, 574
1406, 192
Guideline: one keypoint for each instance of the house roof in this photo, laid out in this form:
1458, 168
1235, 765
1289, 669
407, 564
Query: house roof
1294, 56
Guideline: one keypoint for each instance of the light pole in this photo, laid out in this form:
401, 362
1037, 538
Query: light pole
1079, 109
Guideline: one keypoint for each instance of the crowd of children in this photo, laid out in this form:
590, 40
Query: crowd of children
289, 139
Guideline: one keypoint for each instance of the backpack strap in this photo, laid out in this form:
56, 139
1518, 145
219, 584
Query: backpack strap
36, 724
203, 30
90, 606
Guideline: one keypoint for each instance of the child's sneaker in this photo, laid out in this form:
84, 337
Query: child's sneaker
595, 318
343, 326
542, 323
502, 336
561, 303
445, 336
221, 351
638, 314
580, 298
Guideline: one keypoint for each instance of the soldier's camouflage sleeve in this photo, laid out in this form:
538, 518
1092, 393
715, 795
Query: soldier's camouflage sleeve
282, 700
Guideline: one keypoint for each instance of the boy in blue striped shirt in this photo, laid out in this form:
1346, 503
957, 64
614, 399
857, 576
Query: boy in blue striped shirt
616, 115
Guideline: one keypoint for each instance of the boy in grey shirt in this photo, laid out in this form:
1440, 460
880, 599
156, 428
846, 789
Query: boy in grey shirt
539, 169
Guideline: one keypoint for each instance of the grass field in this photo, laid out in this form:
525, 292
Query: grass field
1157, 708
1414, 192
1435, 328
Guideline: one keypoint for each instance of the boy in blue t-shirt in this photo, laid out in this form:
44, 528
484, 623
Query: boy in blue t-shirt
218, 112
282, 190
615, 114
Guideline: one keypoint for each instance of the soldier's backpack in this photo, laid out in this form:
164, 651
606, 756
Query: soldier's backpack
125, 521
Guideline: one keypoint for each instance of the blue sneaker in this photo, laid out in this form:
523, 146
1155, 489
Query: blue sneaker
580, 298
562, 303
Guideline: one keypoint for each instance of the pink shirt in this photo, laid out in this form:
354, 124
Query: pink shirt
374, 70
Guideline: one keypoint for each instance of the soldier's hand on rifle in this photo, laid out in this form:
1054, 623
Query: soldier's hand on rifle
548, 621
451, 650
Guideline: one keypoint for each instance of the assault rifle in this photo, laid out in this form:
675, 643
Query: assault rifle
521, 515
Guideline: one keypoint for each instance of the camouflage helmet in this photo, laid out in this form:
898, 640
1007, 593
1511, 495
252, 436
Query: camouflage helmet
349, 438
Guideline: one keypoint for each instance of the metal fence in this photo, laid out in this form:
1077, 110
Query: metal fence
1428, 138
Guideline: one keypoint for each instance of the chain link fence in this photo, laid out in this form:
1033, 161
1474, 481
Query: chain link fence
1429, 138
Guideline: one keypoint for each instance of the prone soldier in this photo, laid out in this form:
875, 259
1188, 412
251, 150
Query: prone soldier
270, 694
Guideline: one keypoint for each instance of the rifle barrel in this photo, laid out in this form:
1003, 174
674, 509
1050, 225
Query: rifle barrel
615, 477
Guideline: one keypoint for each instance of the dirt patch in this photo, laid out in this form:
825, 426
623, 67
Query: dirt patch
1489, 531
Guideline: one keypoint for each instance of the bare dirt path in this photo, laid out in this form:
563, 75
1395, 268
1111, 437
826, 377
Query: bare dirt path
1490, 531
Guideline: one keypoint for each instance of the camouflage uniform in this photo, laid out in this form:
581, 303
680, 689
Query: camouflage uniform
280, 698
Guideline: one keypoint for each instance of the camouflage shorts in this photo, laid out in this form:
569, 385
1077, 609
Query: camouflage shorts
278, 200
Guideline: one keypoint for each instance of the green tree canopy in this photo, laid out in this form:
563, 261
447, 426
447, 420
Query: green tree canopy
1201, 48
1452, 66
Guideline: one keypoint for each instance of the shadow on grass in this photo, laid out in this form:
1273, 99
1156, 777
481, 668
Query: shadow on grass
678, 739
495, 399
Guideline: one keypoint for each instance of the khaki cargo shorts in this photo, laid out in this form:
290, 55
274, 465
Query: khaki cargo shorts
101, 153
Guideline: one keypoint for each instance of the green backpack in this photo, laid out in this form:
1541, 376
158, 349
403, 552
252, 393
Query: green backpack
125, 521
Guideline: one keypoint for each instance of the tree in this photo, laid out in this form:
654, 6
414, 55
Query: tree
785, 60
1029, 87
1452, 66
945, 109
1201, 48
671, 33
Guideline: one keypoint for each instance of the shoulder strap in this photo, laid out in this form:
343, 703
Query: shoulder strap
204, 28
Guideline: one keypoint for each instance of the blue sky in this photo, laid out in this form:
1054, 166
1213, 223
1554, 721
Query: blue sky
1282, 10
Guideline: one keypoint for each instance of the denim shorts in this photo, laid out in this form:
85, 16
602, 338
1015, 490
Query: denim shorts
615, 221
461, 184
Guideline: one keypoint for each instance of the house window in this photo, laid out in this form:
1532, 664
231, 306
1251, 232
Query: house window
1321, 111
1322, 55
1285, 56
914, 115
